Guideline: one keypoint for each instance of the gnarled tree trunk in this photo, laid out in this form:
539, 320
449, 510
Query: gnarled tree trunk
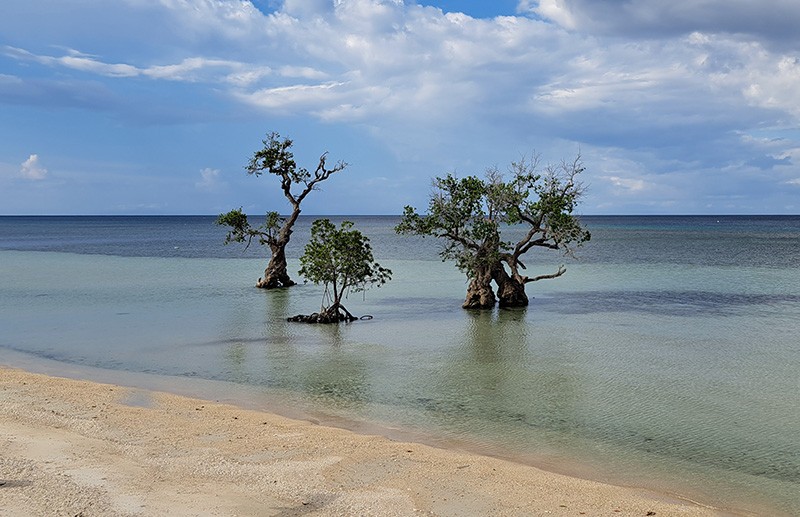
479, 292
276, 275
510, 290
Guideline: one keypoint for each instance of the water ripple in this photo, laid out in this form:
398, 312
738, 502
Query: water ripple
671, 303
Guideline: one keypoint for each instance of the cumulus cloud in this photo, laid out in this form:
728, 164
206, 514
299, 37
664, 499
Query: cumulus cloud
31, 169
388, 57
377, 56
359, 59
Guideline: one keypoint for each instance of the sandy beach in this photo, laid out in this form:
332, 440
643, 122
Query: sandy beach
85, 449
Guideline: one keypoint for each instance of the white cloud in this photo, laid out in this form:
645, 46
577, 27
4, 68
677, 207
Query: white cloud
187, 69
32, 170
556, 10
193, 69
77, 61
772, 82
209, 180
296, 97
226, 20
630, 185
304, 72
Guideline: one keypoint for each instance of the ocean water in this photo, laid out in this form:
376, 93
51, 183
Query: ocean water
666, 357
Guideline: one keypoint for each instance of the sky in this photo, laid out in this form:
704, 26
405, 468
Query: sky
155, 106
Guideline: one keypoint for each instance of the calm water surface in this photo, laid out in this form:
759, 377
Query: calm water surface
667, 356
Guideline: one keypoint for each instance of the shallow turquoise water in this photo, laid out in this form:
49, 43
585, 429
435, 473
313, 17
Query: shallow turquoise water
646, 365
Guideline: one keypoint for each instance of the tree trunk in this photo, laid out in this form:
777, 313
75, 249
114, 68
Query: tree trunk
276, 276
510, 290
337, 312
479, 293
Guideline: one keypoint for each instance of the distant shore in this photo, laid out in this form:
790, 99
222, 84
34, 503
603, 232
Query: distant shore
82, 448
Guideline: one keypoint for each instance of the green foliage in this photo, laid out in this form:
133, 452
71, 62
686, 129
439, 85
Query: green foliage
241, 231
459, 214
277, 158
468, 214
341, 259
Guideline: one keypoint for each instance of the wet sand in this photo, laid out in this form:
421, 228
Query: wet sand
85, 449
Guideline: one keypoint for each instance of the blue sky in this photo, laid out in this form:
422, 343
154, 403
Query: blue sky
154, 106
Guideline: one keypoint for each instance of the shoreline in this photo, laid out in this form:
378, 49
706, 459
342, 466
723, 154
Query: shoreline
73, 446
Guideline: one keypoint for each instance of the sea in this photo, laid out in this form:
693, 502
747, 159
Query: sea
667, 357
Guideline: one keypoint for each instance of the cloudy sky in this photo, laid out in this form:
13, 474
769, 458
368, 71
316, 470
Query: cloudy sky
154, 106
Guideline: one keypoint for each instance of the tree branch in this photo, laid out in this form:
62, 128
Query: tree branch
561, 271
461, 240
321, 173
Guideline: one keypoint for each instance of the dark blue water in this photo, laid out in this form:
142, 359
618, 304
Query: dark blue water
770, 241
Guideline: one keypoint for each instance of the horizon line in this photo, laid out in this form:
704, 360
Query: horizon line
400, 215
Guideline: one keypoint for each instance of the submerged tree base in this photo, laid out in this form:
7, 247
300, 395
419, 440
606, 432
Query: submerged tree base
330, 315
275, 276
274, 283
320, 318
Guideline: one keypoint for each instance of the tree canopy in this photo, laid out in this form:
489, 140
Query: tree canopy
469, 213
341, 259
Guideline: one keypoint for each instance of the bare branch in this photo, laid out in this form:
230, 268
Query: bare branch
321, 173
561, 271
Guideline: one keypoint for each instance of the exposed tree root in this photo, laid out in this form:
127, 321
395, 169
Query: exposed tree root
335, 314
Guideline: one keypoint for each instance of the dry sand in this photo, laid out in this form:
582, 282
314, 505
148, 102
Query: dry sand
78, 448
